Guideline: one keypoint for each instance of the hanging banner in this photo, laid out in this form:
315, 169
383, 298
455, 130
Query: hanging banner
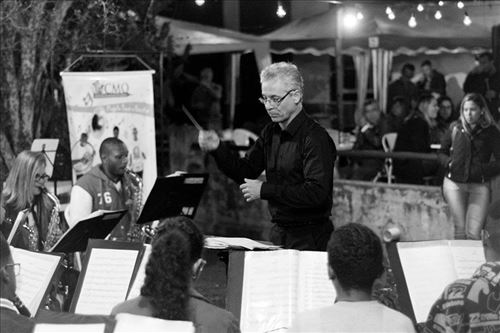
104, 104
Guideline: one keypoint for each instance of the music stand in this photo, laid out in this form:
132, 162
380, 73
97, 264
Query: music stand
174, 196
49, 148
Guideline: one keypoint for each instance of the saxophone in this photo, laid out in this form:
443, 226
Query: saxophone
135, 233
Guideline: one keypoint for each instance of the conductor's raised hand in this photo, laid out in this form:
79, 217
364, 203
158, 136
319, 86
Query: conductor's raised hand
251, 189
208, 140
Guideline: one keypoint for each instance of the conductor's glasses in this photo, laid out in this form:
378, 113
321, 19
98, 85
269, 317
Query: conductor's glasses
274, 100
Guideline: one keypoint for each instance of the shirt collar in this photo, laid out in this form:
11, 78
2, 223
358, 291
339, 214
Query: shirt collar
5, 303
296, 122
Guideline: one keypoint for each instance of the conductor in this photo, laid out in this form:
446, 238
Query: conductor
297, 155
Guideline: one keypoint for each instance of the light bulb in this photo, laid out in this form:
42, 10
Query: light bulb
420, 7
350, 20
467, 20
388, 10
441, 3
280, 11
438, 15
359, 16
412, 22
199, 2
460, 4
391, 16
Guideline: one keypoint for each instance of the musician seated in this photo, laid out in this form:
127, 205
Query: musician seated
25, 199
107, 186
10, 318
354, 264
173, 266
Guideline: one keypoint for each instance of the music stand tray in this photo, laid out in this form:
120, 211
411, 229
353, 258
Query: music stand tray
174, 196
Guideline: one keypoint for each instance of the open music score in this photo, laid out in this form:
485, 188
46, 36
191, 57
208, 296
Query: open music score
423, 269
106, 276
298, 281
37, 272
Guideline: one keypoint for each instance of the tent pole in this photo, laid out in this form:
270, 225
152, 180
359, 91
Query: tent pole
339, 68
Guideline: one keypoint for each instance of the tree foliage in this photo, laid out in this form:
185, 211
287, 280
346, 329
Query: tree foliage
39, 39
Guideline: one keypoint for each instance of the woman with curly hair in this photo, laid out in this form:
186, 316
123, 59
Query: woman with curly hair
466, 153
25, 197
174, 264
355, 259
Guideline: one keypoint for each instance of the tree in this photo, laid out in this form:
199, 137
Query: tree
39, 39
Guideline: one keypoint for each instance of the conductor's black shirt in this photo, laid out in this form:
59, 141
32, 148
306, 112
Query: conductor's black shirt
298, 162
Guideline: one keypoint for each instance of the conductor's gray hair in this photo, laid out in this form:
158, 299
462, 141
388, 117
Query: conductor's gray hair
284, 71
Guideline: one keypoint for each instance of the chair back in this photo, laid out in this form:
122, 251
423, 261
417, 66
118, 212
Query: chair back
389, 141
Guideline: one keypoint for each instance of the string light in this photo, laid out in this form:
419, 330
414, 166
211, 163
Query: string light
441, 3
199, 2
280, 11
388, 10
391, 16
438, 15
467, 20
350, 20
460, 4
412, 22
359, 15
420, 7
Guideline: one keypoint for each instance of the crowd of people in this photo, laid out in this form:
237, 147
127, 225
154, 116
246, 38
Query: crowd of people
423, 116
297, 156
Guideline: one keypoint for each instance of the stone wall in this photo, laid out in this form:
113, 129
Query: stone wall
419, 211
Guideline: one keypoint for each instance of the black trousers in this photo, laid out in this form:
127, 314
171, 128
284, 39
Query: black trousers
311, 237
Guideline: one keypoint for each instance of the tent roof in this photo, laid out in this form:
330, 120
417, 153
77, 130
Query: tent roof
315, 34
209, 39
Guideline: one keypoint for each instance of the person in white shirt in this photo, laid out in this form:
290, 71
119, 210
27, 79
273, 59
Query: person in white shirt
354, 263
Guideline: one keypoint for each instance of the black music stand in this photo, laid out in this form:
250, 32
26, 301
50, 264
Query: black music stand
49, 148
76, 238
174, 196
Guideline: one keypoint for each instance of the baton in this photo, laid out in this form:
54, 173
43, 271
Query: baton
193, 121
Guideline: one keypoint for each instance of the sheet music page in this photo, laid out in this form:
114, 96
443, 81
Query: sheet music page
141, 273
132, 323
107, 279
428, 268
269, 289
237, 242
468, 255
73, 328
37, 270
315, 287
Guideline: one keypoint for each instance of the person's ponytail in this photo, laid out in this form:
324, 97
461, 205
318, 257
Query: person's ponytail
168, 274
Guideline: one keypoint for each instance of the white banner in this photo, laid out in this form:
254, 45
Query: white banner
104, 104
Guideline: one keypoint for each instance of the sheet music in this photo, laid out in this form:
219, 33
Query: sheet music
236, 242
315, 287
107, 279
428, 268
141, 274
132, 323
37, 270
468, 255
269, 290
73, 328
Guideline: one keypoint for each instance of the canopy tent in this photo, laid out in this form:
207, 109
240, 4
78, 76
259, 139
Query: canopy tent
315, 34
208, 39
385, 38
